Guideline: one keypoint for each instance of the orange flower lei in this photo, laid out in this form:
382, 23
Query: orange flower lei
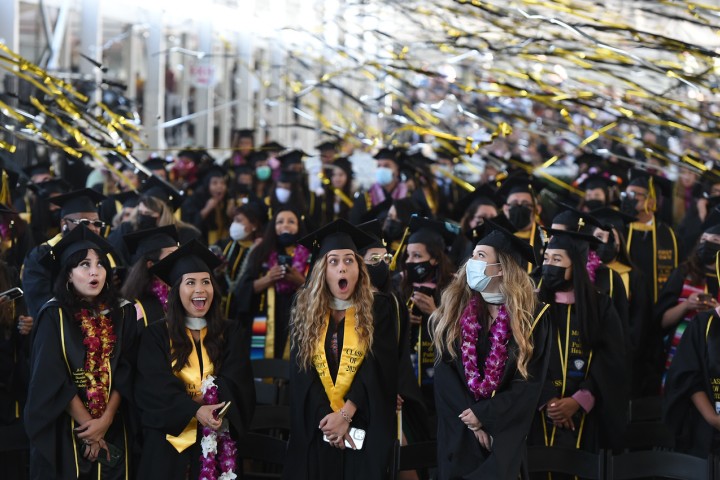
99, 342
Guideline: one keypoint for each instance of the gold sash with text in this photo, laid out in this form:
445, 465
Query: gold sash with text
351, 357
192, 376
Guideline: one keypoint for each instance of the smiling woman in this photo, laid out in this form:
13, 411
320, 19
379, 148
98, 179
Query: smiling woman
343, 365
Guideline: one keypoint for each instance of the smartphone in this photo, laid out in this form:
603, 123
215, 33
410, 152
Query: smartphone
115, 455
12, 294
705, 298
285, 260
220, 412
358, 436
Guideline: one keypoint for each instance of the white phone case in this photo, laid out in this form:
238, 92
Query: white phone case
358, 436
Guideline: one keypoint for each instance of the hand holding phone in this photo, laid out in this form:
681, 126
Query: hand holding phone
220, 412
10, 295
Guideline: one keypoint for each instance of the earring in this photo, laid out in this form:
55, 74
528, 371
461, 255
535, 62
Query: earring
67, 286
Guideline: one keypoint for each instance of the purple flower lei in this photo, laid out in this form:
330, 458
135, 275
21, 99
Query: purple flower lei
161, 291
219, 452
593, 262
496, 358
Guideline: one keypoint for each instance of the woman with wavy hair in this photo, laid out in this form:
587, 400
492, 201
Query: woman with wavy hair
343, 365
492, 342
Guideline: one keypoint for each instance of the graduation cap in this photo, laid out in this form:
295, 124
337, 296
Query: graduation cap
390, 153
272, 147
78, 239
344, 164
374, 229
610, 217
291, 157
39, 168
156, 163
327, 145
573, 219
194, 155
84, 200
575, 243
519, 183
157, 188
483, 195
127, 199
504, 240
597, 180
149, 240
661, 185
192, 257
336, 235
377, 210
712, 230
243, 133
431, 232
48, 187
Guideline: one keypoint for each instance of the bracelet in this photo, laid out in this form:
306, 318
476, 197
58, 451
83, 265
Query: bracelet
344, 414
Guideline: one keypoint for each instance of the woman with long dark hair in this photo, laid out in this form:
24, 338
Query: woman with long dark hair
493, 342
343, 373
81, 367
149, 293
584, 399
193, 364
264, 294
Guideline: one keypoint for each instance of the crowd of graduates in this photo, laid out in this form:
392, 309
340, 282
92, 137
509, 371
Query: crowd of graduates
611, 295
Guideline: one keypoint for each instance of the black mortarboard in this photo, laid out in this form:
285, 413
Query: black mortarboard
78, 239
345, 165
374, 229
504, 240
48, 187
288, 176
162, 190
475, 234
272, 147
257, 156
597, 180
37, 169
389, 153
709, 178
573, 219
610, 217
127, 199
570, 241
84, 200
243, 133
337, 235
662, 186
327, 145
191, 257
378, 210
214, 171
156, 163
426, 231
713, 230
152, 239
194, 155
519, 183
483, 195
291, 157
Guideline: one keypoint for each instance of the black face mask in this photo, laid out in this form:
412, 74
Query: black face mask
287, 239
242, 189
145, 221
55, 217
606, 252
594, 204
629, 206
393, 230
417, 272
553, 277
706, 252
519, 216
378, 274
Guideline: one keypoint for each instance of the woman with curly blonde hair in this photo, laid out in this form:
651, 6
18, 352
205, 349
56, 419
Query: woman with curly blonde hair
343, 365
491, 339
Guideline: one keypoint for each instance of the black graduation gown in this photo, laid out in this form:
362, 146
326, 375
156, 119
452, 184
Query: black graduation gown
52, 387
152, 309
236, 255
606, 378
115, 238
214, 226
609, 282
695, 368
165, 407
37, 280
373, 390
506, 416
655, 259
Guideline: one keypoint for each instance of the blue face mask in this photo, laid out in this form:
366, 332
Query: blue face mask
384, 176
263, 172
475, 274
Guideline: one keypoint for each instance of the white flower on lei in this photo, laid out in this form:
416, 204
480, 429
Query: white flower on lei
209, 444
207, 383
227, 476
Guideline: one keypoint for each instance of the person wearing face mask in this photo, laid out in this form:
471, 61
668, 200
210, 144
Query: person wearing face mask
703, 213
337, 193
426, 271
36, 209
692, 288
209, 207
599, 189
397, 219
583, 403
287, 193
492, 340
245, 234
471, 211
410, 402
388, 184
522, 209
652, 245
263, 295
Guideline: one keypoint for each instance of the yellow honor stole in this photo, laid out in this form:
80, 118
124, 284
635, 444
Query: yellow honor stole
351, 357
192, 376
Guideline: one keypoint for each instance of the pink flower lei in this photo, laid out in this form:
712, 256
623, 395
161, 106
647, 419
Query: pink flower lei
497, 357
593, 262
219, 452
161, 291
99, 340
299, 263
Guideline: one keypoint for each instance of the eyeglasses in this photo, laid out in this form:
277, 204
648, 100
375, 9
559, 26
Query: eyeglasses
86, 222
520, 204
376, 259
631, 194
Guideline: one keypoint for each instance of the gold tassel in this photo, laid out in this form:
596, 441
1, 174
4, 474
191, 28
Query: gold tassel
398, 252
5, 189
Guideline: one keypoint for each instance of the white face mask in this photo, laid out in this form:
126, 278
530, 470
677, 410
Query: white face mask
384, 176
237, 231
475, 275
282, 194
496, 298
